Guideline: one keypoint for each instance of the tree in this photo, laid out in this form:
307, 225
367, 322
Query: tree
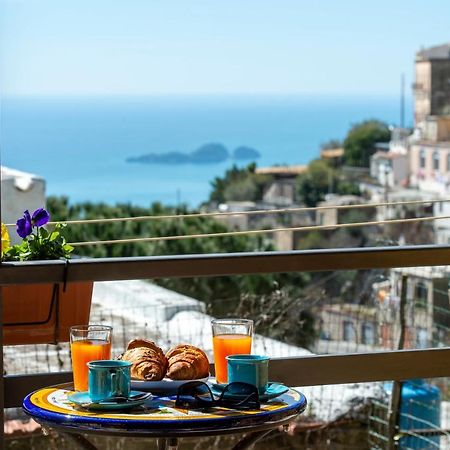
221, 294
313, 184
321, 178
359, 145
239, 184
330, 144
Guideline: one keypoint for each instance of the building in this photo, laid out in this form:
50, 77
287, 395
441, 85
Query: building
389, 168
20, 191
282, 240
427, 311
281, 191
432, 86
334, 155
347, 324
334, 214
429, 155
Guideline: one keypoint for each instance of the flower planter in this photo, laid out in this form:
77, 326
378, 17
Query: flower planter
43, 313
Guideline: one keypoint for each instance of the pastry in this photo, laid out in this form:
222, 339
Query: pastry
187, 362
149, 361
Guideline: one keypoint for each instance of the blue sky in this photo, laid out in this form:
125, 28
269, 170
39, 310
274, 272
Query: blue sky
103, 47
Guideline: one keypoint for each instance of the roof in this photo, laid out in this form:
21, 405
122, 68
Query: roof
387, 155
135, 297
8, 173
340, 200
281, 170
331, 153
23, 181
431, 53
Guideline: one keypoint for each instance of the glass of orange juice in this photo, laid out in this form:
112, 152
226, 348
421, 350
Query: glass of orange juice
88, 343
230, 337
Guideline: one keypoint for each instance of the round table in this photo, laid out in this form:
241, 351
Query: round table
159, 418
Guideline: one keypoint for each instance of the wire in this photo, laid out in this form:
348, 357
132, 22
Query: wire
243, 213
255, 232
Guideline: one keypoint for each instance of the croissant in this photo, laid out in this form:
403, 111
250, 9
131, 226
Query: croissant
187, 362
149, 361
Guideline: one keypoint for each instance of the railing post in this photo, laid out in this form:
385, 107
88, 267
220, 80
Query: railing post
2, 381
396, 396
2, 387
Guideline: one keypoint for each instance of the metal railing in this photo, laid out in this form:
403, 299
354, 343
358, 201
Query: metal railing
299, 371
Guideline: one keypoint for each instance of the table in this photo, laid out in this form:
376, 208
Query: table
158, 418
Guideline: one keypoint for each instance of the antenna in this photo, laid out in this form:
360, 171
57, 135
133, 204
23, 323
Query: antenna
402, 101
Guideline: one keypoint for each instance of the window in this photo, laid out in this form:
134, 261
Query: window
422, 159
368, 333
421, 294
435, 160
349, 331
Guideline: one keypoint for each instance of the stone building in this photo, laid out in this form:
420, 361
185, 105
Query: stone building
432, 85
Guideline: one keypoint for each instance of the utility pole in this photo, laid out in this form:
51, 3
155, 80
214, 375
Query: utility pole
402, 101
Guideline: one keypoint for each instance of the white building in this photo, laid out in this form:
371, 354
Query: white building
20, 191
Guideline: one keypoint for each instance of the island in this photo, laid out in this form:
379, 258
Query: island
212, 153
244, 152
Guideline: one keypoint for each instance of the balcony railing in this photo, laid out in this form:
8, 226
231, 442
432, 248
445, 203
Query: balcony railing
299, 371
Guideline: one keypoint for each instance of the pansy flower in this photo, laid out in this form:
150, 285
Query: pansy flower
27, 222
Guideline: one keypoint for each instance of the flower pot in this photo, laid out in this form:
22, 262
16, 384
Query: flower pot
43, 313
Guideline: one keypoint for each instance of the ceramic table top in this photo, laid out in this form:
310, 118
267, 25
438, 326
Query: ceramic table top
158, 415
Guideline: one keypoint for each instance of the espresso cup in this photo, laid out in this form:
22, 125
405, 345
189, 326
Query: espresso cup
251, 369
108, 378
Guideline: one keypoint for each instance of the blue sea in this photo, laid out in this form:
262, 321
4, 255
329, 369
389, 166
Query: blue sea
80, 145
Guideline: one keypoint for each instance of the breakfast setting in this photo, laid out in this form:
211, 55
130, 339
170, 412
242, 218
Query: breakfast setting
144, 371
148, 391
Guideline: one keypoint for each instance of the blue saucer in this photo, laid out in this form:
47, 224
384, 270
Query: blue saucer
273, 390
82, 399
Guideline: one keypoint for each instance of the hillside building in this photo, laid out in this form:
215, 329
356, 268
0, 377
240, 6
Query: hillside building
432, 84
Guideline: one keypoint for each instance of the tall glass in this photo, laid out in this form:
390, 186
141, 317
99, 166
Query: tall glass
88, 343
230, 337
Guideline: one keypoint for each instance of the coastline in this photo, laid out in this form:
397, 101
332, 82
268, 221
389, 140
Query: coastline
93, 137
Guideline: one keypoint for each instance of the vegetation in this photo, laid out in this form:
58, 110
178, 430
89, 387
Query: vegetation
359, 145
330, 144
322, 178
222, 294
239, 185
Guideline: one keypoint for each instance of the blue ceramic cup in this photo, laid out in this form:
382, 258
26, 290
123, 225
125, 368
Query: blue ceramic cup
108, 378
251, 369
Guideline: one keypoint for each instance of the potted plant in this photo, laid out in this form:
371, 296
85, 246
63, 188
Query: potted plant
41, 313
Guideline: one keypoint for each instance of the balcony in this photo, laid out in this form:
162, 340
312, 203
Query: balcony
379, 364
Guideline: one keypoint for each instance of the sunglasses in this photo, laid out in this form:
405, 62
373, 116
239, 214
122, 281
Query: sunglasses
236, 395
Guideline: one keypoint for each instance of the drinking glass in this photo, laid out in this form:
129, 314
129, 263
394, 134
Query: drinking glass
230, 337
88, 343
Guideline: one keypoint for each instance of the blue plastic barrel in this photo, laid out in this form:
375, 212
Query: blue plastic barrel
420, 409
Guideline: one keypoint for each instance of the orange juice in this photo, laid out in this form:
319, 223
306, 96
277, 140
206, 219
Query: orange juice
84, 351
228, 344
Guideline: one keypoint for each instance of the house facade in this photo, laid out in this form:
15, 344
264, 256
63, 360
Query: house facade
432, 86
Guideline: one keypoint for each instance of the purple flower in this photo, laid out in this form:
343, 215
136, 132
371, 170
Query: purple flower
40, 217
26, 223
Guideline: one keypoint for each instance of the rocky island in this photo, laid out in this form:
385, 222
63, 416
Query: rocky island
212, 153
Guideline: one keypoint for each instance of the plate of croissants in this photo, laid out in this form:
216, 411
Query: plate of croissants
152, 369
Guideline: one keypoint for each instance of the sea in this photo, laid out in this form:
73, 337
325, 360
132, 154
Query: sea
80, 144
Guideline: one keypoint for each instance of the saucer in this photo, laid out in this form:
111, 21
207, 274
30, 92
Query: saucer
83, 399
273, 390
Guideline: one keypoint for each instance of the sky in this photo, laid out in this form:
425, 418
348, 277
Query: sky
136, 47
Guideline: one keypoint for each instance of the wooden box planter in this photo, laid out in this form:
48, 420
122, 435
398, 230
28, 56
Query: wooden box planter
43, 313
